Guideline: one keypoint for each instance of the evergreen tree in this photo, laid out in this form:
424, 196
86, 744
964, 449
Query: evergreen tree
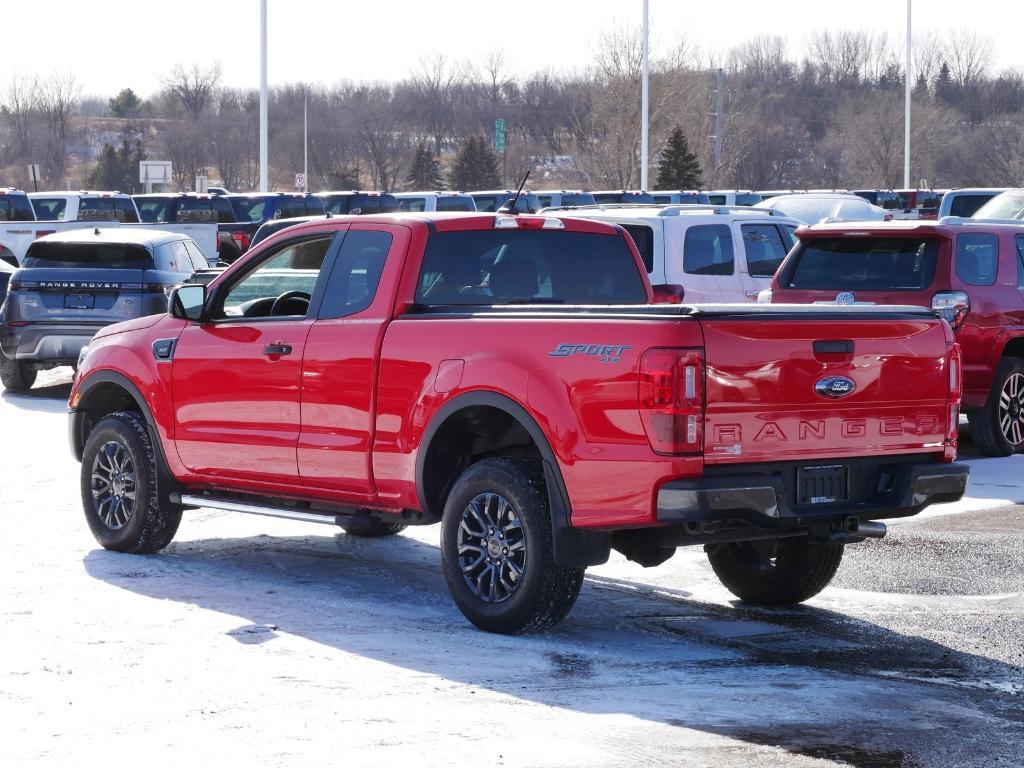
945, 88
476, 166
118, 167
125, 104
424, 173
678, 167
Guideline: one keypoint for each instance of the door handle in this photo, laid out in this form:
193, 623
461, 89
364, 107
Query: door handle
277, 348
752, 294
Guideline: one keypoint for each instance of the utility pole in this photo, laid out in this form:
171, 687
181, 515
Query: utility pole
906, 108
264, 154
305, 139
644, 116
719, 84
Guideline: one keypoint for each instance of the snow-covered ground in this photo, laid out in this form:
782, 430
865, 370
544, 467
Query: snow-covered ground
252, 640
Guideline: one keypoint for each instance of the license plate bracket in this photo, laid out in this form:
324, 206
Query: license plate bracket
79, 301
822, 484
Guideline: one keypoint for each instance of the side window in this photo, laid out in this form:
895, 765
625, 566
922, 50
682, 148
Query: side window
198, 260
125, 210
314, 206
716, 199
643, 238
180, 260
791, 237
96, 209
5, 210
223, 210
292, 269
1020, 261
356, 273
707, 250
544, 201
195, 209
977, 258
412, 204
764, 248
290, 208
21, 209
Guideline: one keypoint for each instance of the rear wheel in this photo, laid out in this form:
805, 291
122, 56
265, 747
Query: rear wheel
775, 571
16, 376
120, 494
497, 550
998, 428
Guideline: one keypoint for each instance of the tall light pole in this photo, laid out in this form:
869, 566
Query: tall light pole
305, 139
264, 170
643, 106
906, 109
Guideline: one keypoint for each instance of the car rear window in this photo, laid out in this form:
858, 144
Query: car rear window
96, 209
863, 263
528, 267
707, 250
488, 203
412, 203
87, 255
582, 198
764, 247
154, 210
196, 210
748, 199
977, 258
463, 203
375, 203
966, 206
643, 237
248, 208
50, 208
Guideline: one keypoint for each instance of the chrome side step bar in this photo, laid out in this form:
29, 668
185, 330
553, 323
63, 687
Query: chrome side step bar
212, 502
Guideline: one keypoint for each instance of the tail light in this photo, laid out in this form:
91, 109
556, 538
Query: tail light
953, 307
956, 388
672, 399
668, 294
242, 240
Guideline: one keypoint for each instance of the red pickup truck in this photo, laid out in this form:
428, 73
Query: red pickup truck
969, 271
510, 378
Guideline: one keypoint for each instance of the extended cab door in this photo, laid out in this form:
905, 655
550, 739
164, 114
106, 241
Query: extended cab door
339, 367
764, 247
236, 378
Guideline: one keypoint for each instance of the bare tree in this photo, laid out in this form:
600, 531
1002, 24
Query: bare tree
968, 56
193, 87
20, 106
59, 97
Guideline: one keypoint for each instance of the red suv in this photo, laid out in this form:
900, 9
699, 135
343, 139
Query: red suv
970, 273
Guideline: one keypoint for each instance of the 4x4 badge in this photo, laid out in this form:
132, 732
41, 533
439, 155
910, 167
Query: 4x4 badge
846, 297
835, 386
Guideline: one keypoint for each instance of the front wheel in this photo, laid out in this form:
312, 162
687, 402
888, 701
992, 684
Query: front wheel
997, 428
16, 376
120, 493
775, 571
497, 551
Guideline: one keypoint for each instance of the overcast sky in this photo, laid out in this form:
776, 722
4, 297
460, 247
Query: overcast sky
111, 45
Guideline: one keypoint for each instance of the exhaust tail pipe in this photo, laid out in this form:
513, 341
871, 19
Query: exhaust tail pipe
870, 529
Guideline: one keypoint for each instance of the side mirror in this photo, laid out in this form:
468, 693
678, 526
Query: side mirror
187, 302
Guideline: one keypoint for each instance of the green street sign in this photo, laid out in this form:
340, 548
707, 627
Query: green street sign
499, 135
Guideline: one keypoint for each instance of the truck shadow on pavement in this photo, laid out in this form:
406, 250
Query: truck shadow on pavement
813, 682
48, 399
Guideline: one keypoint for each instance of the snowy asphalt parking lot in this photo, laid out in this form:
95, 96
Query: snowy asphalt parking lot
268, 642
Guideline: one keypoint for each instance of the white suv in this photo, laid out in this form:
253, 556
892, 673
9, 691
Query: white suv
717, 254
434, 201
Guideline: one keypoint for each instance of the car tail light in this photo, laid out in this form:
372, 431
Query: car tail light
955, 373
672, 399
241, 239
668, 294
956, 388
953, 307
155, 288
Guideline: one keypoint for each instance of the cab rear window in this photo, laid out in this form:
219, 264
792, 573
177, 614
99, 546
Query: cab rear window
455, 204
486, 267
863, 263
87, 256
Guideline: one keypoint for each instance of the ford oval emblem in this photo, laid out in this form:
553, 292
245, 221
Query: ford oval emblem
835, 386
846, 297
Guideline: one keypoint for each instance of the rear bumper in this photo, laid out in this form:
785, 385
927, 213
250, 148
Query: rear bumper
48, 343
766, 499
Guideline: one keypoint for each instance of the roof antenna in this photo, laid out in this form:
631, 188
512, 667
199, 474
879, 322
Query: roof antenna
510, 206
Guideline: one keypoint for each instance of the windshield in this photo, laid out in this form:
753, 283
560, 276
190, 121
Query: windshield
528, 267
249, 208
863, 263
85, 255
1005, 206
154, 210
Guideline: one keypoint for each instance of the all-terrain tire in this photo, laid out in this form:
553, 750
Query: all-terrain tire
544, 593
776, 572
127, 449
372, 528
16, 375
987, 422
